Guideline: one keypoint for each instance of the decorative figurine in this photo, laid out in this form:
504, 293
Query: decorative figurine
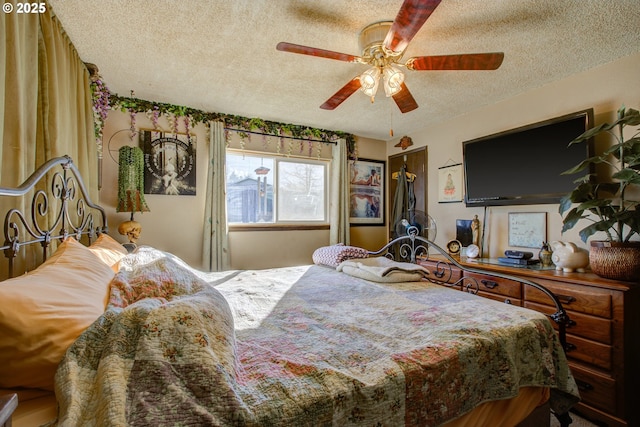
568, 257
475, 230
545, 255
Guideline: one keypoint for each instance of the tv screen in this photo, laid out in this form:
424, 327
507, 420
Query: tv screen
523, 166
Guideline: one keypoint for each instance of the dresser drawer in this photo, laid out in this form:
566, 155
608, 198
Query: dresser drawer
501, 298
496, 285
596, 389
578, 298
583, 325
442, 271
594, 353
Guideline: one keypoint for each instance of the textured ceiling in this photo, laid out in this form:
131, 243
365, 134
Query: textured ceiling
220, 55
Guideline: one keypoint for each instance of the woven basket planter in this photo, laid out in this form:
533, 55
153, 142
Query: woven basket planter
615, 260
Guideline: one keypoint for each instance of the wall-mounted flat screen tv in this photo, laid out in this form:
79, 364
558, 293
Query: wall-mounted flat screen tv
523, 166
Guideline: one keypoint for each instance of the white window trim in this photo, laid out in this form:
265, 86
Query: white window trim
284, 224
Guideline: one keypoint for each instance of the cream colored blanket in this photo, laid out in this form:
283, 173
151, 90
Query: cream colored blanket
383, 270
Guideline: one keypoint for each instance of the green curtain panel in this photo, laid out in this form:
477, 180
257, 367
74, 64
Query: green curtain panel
46, 100
45, 105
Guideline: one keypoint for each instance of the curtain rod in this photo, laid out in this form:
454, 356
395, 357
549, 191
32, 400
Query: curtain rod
281, 136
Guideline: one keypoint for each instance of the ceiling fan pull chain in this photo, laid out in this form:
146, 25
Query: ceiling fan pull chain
390, 123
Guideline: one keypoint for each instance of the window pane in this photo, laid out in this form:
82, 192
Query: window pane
269, 189
301, 191
249, 189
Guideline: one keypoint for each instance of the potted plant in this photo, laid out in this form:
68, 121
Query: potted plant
611, 207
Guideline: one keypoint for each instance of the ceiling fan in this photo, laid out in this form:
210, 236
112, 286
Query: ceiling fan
383, 44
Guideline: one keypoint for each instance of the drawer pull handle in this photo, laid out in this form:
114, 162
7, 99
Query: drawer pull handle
489, 283
570, 347
566, 299
583, 385
571, 323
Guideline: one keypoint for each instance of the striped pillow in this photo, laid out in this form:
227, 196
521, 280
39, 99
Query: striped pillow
333, 255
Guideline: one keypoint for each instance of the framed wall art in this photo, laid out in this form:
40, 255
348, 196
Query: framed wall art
367, 192
527, 229
170, 163
450, 183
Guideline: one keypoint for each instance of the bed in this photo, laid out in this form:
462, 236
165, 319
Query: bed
94, 335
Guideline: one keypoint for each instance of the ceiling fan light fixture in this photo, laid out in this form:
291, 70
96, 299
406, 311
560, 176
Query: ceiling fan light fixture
392, 80
370, 80
373, 34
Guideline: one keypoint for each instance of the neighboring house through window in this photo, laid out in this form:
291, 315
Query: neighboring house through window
268, 189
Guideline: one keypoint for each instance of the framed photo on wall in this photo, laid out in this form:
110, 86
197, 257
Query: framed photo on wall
367, 190
450, 183
170, 163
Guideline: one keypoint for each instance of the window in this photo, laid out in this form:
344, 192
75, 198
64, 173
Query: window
265, 189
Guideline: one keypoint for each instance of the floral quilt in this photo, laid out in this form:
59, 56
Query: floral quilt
298, 346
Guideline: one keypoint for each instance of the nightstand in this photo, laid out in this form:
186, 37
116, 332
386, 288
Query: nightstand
8, 404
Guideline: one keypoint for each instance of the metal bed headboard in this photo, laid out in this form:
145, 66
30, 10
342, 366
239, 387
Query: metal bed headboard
412, 246
64, 210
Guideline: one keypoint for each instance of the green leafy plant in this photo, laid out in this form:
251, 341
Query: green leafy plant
613, 210
131, 180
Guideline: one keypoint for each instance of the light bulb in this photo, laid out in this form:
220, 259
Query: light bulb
393, 79
369, 81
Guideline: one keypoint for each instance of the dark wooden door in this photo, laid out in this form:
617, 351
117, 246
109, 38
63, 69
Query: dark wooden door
416, 163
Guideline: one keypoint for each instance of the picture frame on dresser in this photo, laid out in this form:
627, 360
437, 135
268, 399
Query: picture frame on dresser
527, 229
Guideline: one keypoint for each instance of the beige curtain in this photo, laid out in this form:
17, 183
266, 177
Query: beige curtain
45, 108
46, 100
339, 206
215, 250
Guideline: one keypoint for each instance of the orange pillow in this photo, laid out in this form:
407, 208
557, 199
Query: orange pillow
44, 311
108, 250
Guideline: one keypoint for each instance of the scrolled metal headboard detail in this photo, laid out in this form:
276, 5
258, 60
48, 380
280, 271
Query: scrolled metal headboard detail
64, 210
412, 246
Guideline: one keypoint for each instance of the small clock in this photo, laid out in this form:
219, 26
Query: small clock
473, 251
454, 247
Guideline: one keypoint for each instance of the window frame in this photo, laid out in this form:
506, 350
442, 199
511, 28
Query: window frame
284, 224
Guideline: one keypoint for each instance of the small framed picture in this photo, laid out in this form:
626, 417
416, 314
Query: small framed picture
366, 198
450, 183
527, 229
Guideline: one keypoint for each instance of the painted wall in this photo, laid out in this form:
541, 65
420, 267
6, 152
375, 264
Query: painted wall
604, 88
175, 223
371, 237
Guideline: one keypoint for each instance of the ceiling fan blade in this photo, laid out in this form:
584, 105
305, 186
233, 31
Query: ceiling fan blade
469, 61
404, 100
340, 96
412, 15
312, 51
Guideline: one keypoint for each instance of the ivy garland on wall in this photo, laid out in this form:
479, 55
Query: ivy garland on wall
103, 101
100, 97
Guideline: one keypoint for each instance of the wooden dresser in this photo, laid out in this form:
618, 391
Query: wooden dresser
603, 338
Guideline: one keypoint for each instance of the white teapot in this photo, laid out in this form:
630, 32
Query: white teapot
568, 257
